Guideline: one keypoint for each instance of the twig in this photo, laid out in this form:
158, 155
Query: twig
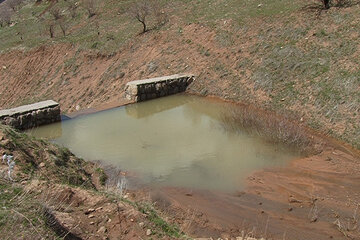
27, 220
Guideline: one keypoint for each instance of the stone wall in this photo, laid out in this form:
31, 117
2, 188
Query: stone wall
151, 88
33, 115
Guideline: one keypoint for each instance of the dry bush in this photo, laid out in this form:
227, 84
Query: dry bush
5, 15
91, 7
345, 3
63, 25
59, 19
146, 11
318, 6
269, 126
73, 9
56, 13
13, 4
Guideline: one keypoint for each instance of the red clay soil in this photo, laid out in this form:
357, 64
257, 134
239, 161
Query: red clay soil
313, 198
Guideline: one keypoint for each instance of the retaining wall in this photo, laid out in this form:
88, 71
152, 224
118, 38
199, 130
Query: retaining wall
151, 88
33, 115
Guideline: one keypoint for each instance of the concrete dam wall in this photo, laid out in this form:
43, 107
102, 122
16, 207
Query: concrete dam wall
141, 90
32, 115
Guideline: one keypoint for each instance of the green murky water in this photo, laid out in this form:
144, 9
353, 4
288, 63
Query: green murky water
173, 141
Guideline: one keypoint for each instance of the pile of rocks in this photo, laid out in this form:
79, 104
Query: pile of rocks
33, 115
142, 90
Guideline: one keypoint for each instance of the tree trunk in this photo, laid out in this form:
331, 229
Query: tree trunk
144, 26
326, 4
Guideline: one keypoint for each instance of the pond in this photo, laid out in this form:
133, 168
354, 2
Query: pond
177, 141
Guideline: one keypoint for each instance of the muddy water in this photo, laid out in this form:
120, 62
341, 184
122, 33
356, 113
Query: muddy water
173, 141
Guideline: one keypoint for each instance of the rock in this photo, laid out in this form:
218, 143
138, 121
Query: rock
292, 199
90, 210
148, 232
152, 67
42, 164
77, 107
102, 229
99, 208
91, 216
141, 224
63, 224
4, 67
91, 223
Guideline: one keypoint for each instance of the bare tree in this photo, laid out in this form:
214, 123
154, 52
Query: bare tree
56, 13
63, 25
13, 4
141, 11
73, 9
59, 19
146, 11
91, 7
5, 15
51, 27
326, 4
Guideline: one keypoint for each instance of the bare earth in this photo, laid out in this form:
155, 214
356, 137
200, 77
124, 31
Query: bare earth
313, 198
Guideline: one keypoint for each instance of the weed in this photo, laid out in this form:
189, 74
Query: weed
102, 176
269, 126
152, 215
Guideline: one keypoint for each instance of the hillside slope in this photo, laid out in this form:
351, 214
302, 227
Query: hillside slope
287, 57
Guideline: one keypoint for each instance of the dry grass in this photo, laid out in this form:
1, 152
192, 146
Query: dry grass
271, 127
21, 215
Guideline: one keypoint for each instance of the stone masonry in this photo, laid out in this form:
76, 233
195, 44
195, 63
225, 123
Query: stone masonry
151, 88
33, 115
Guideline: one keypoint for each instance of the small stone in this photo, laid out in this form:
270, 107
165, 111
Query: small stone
41, 165
90, 210
91, 216
99, 208
4, 67
91, 223
109, 220
141, 224
102, 230
148, 232
294, 200
131, 220
290, 209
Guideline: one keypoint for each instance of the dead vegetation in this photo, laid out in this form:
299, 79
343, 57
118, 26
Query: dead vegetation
148, 12
91, 7
271, 127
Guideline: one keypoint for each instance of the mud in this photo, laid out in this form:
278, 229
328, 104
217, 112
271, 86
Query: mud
312, 198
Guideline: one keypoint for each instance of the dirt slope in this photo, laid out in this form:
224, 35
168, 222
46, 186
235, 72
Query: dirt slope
55, 194
295, 65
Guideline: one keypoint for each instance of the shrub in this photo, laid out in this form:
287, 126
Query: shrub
271, 127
